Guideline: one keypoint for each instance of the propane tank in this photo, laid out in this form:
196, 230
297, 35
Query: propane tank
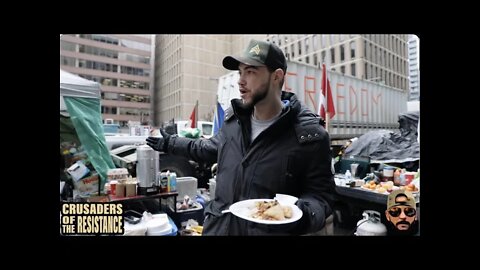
370, 225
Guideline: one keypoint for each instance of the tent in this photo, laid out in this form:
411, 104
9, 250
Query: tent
80, 100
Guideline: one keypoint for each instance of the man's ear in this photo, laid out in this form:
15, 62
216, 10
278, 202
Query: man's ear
387, 215
279, 74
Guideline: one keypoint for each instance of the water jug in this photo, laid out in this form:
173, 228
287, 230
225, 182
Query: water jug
147, 169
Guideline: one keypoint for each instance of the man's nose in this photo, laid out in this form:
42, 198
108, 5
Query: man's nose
241, 80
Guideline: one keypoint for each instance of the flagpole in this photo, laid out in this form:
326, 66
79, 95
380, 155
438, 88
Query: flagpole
196, 114
327, 113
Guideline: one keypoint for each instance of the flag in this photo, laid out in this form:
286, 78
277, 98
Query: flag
218, 118
193, 116
326, 105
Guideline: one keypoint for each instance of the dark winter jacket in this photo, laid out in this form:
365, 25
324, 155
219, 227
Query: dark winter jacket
292, 156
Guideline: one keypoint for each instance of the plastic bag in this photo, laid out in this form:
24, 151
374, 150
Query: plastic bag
192, 133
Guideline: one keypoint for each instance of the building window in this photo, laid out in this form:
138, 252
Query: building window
342, 69
365, 49
385, 58
352, 69
342, 53
352, 50
332, 55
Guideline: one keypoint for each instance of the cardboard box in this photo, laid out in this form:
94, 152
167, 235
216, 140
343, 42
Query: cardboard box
87, 185
78, 170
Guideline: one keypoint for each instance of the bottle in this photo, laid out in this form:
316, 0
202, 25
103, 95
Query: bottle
172, 182
402, 177
396, 177
163, 182
348, 176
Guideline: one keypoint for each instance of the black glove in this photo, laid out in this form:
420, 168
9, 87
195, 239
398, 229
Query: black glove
322, 122
304, 222
159, 143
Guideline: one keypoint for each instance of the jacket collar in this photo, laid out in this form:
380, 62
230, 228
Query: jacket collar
243, 114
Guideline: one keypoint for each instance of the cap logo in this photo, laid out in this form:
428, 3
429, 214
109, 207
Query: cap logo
255, 49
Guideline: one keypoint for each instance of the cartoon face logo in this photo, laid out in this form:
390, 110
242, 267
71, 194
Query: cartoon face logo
401, 209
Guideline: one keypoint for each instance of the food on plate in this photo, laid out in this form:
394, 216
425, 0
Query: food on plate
287, 211
272, 210
411, 187
371, 185
275, 212
387, 185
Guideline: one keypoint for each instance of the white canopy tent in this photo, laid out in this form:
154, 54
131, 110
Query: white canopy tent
75, 86
80, 103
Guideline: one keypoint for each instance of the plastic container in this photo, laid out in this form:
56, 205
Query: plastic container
187, 186
388, 174
159, 225
180, 216
348, 176
409, 176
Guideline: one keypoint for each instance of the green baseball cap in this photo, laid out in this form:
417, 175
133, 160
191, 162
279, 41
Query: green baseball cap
399, 192
258, 53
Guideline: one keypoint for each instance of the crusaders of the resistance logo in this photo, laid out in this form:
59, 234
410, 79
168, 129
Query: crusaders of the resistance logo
91, 218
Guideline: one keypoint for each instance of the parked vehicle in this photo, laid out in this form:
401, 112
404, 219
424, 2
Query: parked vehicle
111, 129
360, 105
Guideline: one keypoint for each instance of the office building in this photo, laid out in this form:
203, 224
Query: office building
187, 68
122, 64
414, 66
378, 57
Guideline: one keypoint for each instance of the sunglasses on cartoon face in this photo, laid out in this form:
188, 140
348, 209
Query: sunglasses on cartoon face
397, 210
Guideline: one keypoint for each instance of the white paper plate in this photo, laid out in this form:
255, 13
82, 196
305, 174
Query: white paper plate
245, 209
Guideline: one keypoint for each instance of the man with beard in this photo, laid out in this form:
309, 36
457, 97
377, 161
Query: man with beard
401, 213
269, 143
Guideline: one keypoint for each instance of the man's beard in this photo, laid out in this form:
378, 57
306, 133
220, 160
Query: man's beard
412, 230
259, 95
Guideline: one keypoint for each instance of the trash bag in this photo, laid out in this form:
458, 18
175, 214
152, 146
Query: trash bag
384, 146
